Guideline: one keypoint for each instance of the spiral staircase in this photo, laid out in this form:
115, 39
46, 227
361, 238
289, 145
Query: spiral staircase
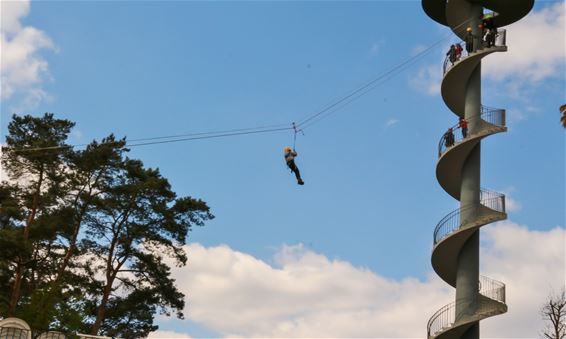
455, 254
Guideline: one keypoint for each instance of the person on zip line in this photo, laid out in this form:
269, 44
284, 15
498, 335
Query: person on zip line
290, 155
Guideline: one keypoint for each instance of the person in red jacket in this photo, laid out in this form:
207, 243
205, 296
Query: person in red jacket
463, 124
458, 51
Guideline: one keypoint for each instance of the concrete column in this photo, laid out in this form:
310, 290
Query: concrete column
467, 275
473, 101
472, 333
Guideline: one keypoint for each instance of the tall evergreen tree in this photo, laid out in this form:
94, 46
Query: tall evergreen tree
89, 235
36, 185
89, 171
563, 116
137, 225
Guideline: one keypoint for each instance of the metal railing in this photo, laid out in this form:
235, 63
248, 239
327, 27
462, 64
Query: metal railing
493, 200
452, 223
492, 289
442, 319
9, 332
493, 116
51, 335
445, 317
500, 41
14, 333
90, 336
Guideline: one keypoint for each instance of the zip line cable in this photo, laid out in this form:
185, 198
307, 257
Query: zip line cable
177, 138
362, 90
210, 133
367, 89
211, 136
296, 127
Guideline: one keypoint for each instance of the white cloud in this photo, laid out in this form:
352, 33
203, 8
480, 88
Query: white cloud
535, 48
376, 48
11, 12
305, 294
391, 122
511, 205
514, 115
167, 334
77, 134
22, 70
427, 80
531, 263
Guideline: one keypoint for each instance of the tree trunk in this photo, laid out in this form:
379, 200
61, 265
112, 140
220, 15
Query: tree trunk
110, 276
15, 296
70, 250
73, 242
102, 308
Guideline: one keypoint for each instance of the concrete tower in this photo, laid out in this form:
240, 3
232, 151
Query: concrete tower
455, 254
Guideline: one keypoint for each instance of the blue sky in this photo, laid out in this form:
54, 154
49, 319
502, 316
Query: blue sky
371, 199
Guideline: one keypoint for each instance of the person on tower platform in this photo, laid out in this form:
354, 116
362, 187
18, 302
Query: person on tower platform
452, 54
458, 49
469, 40
463, 124
490, 31
449, 138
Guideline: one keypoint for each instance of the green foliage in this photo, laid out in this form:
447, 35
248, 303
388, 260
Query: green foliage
563, 116
89, 234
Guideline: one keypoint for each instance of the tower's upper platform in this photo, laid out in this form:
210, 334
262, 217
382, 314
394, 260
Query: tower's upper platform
453, 13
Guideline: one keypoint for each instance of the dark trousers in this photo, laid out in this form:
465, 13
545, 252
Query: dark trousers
295, 169
449, 140
490, 38
464, 132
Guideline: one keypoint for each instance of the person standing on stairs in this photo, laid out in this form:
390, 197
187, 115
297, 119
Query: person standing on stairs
463, 124
469, 40
449, 138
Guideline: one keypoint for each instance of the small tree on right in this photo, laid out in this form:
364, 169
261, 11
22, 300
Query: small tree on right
554, 313
563, 117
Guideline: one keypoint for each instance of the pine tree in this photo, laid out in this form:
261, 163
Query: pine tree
563, 116
36, 178
136, 227
89, 235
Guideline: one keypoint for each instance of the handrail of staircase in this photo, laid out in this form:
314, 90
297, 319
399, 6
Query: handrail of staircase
492, 289
445, 317
451, 222
500, 41
493, 116
441, 319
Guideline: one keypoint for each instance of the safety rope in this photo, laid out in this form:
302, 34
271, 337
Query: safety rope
295, 131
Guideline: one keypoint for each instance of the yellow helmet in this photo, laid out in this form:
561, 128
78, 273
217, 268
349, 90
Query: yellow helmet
469, 29
287, 149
